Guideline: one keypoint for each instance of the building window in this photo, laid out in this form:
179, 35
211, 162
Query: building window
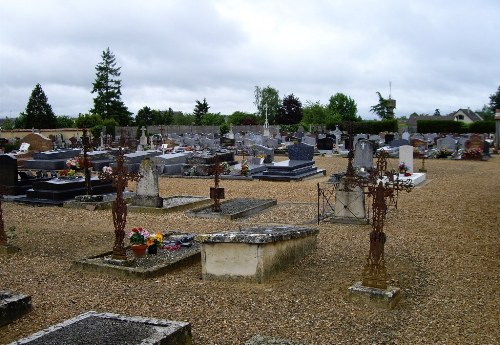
459, 117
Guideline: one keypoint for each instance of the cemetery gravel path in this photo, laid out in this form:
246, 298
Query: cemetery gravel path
443, 252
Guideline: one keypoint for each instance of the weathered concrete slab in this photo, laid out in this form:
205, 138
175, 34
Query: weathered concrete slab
254, 254
234, 208
174, 204
383, 298
140, 268
112, 329
13, 306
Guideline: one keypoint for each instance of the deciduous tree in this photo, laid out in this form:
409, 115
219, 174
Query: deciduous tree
290, 111
270, 97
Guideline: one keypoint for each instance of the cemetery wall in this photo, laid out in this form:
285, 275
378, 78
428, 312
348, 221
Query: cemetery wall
21, 133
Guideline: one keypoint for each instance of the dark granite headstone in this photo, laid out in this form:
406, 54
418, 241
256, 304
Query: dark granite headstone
399, 142
388, 138
8, 170
300, 152
325, 143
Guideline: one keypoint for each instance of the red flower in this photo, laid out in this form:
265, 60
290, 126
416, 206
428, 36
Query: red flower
135, 230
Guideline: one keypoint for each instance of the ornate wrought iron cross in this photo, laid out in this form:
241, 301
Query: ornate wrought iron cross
216, 192
120, 177
374, 272
86, 162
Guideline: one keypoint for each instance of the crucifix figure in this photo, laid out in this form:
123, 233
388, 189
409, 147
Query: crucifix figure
120, 177
216, 192
86, 162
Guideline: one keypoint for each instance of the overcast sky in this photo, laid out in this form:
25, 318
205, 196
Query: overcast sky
436, 53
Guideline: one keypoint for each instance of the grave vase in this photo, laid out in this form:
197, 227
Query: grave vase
153, 249
139, 250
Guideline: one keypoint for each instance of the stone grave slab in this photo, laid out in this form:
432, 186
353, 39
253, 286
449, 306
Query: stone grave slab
234, 208
289, 170
265, 340
254, 254
56, 191
112, 329
149, 266
174, 204
384, 298
13, 306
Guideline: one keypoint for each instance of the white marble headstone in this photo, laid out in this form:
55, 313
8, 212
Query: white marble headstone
406, 156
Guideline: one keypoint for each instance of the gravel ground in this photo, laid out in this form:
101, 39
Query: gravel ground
442, 251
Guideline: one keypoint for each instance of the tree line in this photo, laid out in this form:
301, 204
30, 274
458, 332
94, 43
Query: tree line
109, 110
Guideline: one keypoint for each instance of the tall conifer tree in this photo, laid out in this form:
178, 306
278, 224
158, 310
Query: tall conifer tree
107, 85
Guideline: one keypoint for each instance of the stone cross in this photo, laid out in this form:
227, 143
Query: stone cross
120, 177
216, 192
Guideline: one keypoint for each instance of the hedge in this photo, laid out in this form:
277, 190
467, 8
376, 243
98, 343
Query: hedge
372, 126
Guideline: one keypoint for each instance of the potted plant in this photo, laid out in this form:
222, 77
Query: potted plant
153, 242
138, 238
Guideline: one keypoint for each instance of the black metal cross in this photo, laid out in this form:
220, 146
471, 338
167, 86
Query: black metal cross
120, 177
86, 162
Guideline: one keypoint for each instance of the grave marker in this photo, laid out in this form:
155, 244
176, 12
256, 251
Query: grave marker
120, 177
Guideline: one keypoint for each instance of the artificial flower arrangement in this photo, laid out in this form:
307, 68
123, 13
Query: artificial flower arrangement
138, 236
226, 168
67, 173
403, 169
155, 239
474, 154
142, 236
107, 170
77, 163
73, 163
245, 170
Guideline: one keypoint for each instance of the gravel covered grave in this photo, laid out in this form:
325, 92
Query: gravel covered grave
442, 251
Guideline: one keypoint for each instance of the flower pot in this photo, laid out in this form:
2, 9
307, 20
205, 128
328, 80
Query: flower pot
153, 249
139, 250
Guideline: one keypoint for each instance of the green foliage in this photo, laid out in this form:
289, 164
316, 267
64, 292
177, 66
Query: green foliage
65, 121
384, 108
11, 146
373, 126
486, 113
108, 103
239, 118
289, 128
88, 120
38, 112
179, 119
290, 111
482, 127
110, 125
344, 107
440, 126
200, 110
20, 121
211, 119
270, 97
314, 113
144, 117
8, 124
495, 101
224, 128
